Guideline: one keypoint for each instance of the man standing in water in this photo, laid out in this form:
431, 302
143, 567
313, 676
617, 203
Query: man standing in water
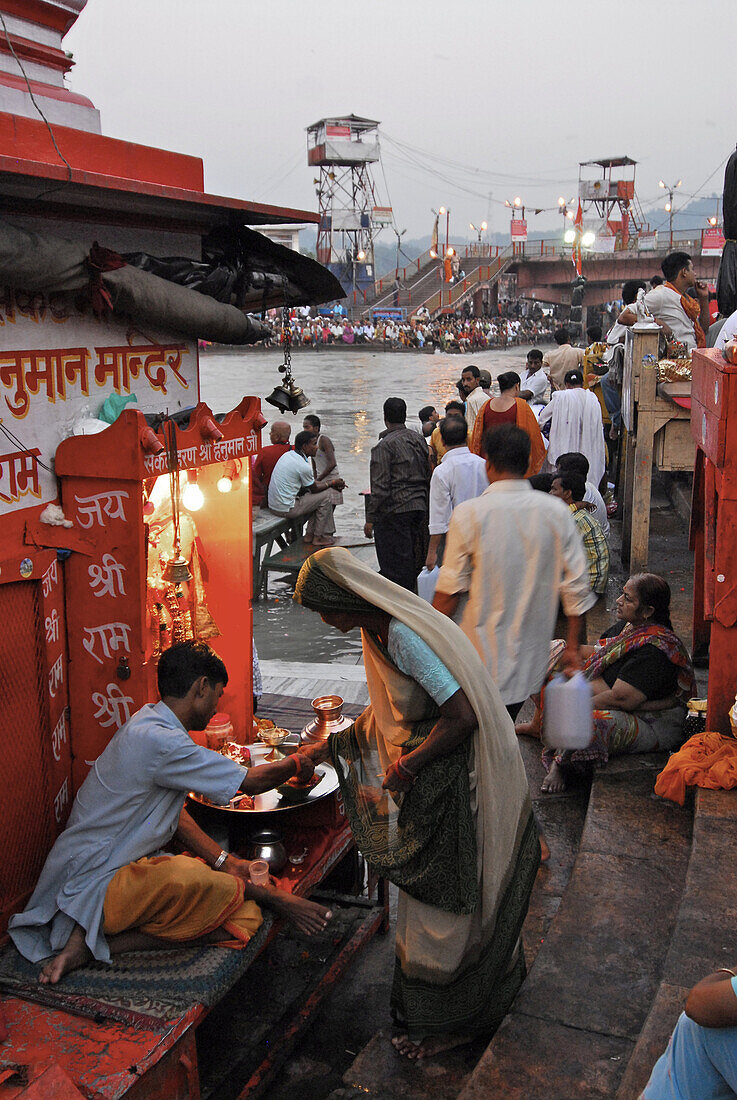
397, 510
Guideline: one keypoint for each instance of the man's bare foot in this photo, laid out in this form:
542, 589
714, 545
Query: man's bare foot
307, 916
75, 954
429, 1046
555, 781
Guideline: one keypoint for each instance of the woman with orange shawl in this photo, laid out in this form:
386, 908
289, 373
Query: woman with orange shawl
510, 408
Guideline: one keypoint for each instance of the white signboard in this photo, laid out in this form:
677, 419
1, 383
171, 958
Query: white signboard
58, 360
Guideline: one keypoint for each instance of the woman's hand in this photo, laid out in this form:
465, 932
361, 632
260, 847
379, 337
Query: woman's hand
317, 753
395, 781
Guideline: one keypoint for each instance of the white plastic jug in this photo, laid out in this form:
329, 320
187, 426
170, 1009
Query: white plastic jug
567, 713
426, 582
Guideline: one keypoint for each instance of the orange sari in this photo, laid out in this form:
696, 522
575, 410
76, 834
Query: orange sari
527, 421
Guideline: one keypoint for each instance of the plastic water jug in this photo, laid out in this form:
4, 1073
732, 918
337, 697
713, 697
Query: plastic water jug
567, 713
426, 582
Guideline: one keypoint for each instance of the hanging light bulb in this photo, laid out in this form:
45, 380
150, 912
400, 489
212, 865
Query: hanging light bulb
231, 470
192, 498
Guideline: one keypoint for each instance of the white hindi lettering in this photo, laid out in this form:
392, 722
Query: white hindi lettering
62, 798
49, 579
92, 510
111, 636
113, 709
59, 736
187, 457
156, 464
107, 579
228, 448
56, 676
52, 627
205, 452
252, 442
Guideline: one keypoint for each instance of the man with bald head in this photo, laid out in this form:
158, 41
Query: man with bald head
265, 462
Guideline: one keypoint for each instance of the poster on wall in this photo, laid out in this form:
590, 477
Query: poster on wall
58, 364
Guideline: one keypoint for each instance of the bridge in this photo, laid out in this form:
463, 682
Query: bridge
543, 271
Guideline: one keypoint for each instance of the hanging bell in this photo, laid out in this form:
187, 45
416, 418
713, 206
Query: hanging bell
288, 396
176, 570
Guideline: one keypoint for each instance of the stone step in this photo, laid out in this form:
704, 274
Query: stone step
578, 1017
705, 933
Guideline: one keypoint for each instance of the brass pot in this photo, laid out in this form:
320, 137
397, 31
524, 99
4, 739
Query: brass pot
328, 718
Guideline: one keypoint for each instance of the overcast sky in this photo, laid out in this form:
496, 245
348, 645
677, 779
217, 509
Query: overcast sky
511, 96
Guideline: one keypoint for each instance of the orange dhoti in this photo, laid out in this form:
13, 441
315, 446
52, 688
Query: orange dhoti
179, 898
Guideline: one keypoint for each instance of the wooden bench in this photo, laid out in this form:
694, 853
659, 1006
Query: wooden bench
269, 528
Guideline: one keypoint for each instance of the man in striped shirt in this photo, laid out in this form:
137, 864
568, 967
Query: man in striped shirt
570, 487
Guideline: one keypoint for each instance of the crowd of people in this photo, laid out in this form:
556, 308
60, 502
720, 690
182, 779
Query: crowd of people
455, 333
501, 497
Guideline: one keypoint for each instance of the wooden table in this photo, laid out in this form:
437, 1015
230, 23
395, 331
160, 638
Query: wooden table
657, 432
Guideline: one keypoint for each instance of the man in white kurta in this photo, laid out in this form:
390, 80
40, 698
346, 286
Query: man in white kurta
576, 425
517, 554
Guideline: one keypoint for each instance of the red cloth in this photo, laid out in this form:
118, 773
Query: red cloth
263, 468
494, 419
100, 260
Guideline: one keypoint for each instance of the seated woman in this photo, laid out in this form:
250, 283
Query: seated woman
438, 801
641, 676
701, 1058
509, 408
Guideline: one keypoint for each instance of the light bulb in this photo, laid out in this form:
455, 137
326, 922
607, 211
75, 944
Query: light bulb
192, 497
561, 201
569, 236
483, 227
667, 208
588, 239
517, 201
224, 485
569, 215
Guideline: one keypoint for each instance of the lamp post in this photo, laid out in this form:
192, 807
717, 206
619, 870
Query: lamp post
444, 210
669, 206
516, 204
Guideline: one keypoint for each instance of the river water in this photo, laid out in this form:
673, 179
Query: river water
347, 391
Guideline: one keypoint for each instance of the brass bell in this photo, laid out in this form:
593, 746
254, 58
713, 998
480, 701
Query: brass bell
176, 570
288, 396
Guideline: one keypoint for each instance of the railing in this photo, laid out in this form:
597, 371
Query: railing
402, 273
449, 295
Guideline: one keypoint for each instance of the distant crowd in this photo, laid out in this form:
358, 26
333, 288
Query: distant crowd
454, 334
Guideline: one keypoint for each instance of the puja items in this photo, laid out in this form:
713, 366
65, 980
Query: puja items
328, 718
674, 370
258, 872
729, 352
219, 730
267, 845
272, 735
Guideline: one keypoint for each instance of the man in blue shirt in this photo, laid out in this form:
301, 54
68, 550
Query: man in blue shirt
294, 492
132, 804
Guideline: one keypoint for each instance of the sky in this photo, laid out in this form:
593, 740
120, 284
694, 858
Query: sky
473, 96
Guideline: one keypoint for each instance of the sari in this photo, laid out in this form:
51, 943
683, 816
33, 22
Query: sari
461, 845
527, 421
616, 732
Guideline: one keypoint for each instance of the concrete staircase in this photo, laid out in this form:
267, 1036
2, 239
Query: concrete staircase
637, 904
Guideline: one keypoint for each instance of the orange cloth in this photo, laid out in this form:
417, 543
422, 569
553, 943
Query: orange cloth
693, 310
706, 760
178, 898
527, 421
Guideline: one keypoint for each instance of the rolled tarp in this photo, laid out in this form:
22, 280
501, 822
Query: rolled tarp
37, 262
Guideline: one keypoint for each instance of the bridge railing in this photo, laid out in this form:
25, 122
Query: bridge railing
388, 280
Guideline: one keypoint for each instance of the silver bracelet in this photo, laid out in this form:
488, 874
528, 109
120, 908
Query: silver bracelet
220, 860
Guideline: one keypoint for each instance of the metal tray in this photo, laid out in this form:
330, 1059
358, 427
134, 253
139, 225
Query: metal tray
271, 801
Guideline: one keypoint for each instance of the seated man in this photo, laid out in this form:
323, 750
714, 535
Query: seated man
534, 381
265, 462
683, 316
701, 1058
294, 492
106, 887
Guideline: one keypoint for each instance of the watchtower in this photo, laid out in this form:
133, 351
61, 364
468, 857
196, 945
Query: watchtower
344, 147
610, 191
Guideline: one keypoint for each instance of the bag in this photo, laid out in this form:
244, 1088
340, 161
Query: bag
426, 582
568, 713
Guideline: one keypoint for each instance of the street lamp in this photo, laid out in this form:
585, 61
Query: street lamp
478, 229
669, 205
445, 211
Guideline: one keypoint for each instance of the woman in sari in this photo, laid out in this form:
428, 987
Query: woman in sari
641, 678
510, 408
451, 824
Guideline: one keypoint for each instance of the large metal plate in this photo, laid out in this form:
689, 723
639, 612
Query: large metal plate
271, 801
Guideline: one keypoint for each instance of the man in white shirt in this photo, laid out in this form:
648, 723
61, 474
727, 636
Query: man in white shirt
475, 396
534, 382
294, 492
576, 425
517, 554
681, 317
460, 476
561, 359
